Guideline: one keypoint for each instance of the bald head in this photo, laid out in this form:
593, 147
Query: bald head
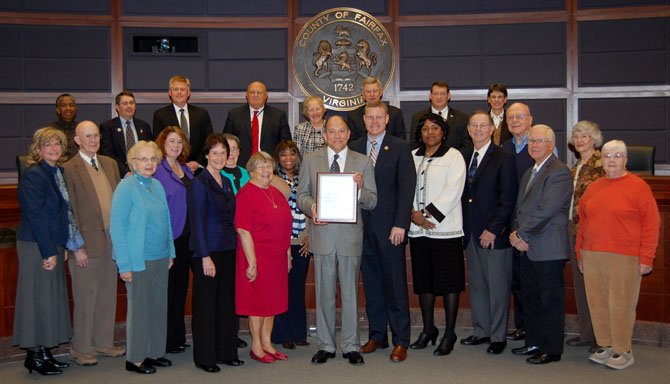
519, 119
87, 136
256, 95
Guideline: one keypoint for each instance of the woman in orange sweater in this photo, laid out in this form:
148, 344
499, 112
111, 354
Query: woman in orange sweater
618, 233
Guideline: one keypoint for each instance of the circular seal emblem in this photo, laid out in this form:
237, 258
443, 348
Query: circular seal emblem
336, 50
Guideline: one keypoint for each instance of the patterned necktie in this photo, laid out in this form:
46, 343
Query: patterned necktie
94, 164
533, 173
373, 152
255, 128
130, 138
183, 122
335, 166
473, 169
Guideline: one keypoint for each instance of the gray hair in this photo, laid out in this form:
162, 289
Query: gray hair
257, 159
310, 99
591, 129
616, 146
132, 152
549, 132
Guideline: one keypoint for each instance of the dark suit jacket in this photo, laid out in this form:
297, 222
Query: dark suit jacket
541, 216
488, 203
274, 129
457, 137
113, 141
211, 214
395, 126
199, 126
44, 218
504, 131
522, 159
85, 203
395, 177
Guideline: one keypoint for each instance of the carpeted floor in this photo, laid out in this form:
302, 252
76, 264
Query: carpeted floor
464, 365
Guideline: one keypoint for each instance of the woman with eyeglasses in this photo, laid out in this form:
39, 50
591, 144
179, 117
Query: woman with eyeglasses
141, 233
619, 226
586, 139
175, 176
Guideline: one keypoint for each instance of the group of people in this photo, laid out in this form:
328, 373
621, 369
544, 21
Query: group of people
488, 186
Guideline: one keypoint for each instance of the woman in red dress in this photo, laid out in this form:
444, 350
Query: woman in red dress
263, 222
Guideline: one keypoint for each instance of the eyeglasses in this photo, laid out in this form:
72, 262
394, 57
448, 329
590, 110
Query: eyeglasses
538, 141
147, 160
520, 116
482, 125
617, 155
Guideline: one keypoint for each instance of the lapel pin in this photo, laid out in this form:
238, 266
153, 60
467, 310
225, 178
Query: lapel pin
118, 129
386, 147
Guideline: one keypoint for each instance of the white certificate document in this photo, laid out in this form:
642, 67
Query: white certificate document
336, 198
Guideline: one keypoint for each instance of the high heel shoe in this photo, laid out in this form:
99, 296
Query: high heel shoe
424, 338
35, 362
50, 358
446, 345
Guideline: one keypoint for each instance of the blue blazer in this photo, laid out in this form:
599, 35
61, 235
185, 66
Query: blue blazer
211, 213
488, 203
44, 218
395, 177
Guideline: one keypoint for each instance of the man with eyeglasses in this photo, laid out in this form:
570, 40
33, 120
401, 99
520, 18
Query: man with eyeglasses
372, 92
540, 234
91, 180
66, 110
439, 97
194, 121
258, 126
120, 133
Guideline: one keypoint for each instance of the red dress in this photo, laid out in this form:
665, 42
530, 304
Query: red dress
270, 229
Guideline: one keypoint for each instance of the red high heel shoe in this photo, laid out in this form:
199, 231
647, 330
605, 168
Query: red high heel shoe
266, 359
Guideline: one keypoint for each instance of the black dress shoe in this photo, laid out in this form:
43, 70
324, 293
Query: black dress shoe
159, 362
303, 343
519, 334
213, 369
288, 345
474, 340
241, 343
543, 358
423, 339
496, 347
446, 345
322, 356
577, 342
143, 368
232, 363
177, 349
526, 351
354, 357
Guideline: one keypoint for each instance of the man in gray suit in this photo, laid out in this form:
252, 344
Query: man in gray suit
91, 180
337, 247
541, 235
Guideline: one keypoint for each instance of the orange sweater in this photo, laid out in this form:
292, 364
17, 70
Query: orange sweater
620, 216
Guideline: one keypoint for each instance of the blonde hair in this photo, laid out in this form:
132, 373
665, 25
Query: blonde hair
180, 79
43, 136
132, 152
309, 99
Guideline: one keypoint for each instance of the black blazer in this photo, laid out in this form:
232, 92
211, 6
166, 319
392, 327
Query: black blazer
522, 159
395, 126
457, 137
488, 203
274, 129
199, 126
113, 141
395, 177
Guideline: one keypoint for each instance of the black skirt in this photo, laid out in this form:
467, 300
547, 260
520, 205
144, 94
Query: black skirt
438, 265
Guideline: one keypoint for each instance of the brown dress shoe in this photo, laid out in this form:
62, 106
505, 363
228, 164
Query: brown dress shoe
398, 354
373, 345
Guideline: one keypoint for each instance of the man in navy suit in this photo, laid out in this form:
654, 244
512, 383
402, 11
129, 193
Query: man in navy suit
194, 121
372, 92
439, 97
120, 133
540, 234
258, 126
384, 230
488, 202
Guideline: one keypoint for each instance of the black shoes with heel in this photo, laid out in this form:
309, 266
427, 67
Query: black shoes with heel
35, 361
446, 345
424, 338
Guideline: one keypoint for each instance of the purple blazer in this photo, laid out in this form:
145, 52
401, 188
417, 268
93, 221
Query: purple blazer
175, 192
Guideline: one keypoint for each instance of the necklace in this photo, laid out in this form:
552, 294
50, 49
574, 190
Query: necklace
269, 197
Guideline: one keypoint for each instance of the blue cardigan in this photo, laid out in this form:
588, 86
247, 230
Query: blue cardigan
44, 218
129, 222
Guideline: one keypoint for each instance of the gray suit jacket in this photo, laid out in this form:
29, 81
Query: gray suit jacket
345, 239
85, 204
541, 215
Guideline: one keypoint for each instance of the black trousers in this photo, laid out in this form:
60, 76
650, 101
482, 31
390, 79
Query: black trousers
177, 291
292, 324
543, 292
516, 289
213, 323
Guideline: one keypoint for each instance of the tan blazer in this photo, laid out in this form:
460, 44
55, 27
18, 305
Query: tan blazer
85, 204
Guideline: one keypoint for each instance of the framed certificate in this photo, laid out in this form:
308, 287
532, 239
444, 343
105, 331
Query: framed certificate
336, 198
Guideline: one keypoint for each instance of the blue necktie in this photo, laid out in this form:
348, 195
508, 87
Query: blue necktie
473, 168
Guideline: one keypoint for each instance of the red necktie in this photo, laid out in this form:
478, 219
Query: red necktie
254, 133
